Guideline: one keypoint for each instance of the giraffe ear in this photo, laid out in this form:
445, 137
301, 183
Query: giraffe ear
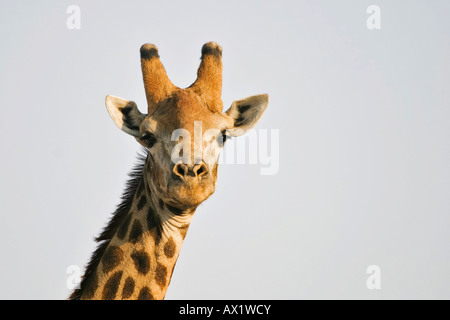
246, 113
125, 114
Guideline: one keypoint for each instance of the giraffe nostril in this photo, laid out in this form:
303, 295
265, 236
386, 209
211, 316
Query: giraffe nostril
200, 169
180, 169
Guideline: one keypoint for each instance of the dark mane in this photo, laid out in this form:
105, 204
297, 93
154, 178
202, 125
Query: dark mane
135, 177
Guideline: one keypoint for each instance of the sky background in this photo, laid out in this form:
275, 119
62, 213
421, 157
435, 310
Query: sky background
364, 157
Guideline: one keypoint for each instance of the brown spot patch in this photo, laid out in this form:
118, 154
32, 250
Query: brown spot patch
142, 202
184, 230
141, 261
111, 286
161, 275
145, 294
112, 257
128, 288
136, 232
151, 218
153, 223
123, 229
169, 248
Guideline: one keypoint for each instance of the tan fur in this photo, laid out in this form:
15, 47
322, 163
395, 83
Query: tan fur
156, 83
209, 78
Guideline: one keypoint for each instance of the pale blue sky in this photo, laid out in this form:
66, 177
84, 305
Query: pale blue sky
363, 117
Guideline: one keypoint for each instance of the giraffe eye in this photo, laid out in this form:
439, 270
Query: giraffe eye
149, 139
223, 138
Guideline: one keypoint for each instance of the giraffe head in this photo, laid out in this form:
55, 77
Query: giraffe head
184, 130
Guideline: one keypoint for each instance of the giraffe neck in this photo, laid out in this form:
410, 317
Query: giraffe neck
139, 259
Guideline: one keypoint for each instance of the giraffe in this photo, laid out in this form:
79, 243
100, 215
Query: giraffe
140, 245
